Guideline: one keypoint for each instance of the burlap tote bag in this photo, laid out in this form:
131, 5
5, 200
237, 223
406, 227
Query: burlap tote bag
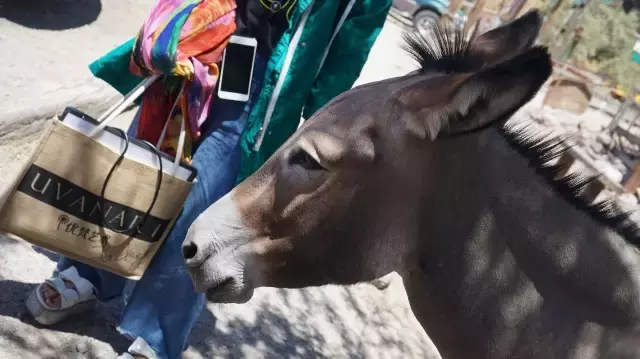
93, 194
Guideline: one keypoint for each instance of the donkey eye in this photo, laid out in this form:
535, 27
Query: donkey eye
305, 160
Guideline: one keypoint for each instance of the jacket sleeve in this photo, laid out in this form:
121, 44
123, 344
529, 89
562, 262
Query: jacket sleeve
113, 68
348, 53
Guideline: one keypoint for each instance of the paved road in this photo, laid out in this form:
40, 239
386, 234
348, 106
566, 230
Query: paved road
357, 321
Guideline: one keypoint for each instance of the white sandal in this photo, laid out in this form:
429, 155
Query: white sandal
139, 347
72, 301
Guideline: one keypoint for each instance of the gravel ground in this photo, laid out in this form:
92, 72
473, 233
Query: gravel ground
331, 321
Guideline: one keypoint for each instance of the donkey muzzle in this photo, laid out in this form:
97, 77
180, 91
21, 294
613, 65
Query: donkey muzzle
214, 255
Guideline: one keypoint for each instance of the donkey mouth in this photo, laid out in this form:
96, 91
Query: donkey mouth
229, 290
222, 281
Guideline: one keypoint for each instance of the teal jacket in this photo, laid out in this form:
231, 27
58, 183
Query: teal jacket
317, 58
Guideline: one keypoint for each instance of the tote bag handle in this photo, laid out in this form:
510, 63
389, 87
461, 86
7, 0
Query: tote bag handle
155, 194
115, 110
119, 106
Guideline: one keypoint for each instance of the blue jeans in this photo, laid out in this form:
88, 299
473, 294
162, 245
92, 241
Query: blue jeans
163, 305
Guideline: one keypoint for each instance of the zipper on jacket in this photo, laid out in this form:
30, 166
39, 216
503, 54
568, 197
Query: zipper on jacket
343, 18
283, 74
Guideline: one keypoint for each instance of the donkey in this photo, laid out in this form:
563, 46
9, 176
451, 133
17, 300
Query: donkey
423, 175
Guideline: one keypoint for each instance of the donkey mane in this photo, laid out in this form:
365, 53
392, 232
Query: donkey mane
450, 51
541, 150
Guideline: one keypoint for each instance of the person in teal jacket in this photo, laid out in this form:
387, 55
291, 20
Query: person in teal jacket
309, 51
318, 57
309, 67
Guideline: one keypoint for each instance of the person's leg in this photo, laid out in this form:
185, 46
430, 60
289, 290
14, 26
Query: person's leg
163, 305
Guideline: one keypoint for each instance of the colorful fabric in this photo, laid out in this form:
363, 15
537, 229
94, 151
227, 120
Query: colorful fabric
183, 40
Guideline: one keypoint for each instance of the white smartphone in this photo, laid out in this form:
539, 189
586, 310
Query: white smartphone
237, 68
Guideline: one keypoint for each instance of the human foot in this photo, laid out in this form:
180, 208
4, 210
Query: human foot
61, 296
51, 296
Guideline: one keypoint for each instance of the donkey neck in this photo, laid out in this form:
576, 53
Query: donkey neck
508, 268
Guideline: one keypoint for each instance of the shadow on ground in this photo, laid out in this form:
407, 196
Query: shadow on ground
21, 267
315, 327
99, 325
357, 322
51, 14
52, 256
327, 322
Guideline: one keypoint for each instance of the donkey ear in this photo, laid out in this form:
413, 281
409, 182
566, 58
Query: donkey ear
456, 104
508, 40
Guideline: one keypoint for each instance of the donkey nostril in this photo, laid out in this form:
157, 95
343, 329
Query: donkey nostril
189, 250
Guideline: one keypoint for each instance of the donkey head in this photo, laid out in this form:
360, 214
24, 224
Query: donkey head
342, 200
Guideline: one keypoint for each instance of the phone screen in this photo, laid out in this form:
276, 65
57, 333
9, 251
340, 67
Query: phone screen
237, 68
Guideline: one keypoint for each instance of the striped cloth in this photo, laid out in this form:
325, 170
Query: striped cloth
183, 40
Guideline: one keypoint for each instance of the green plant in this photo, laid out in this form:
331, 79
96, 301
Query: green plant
608, 39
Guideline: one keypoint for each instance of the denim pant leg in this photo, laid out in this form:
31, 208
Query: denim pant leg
107, 284
163, 305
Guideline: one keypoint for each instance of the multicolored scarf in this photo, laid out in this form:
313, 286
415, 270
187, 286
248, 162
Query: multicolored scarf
183, 40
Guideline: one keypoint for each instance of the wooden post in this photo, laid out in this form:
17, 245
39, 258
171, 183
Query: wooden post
555, 79
624, 106
565, 162
474, 14
546, 26
448, 17
454, 7
633, 182
593, 190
